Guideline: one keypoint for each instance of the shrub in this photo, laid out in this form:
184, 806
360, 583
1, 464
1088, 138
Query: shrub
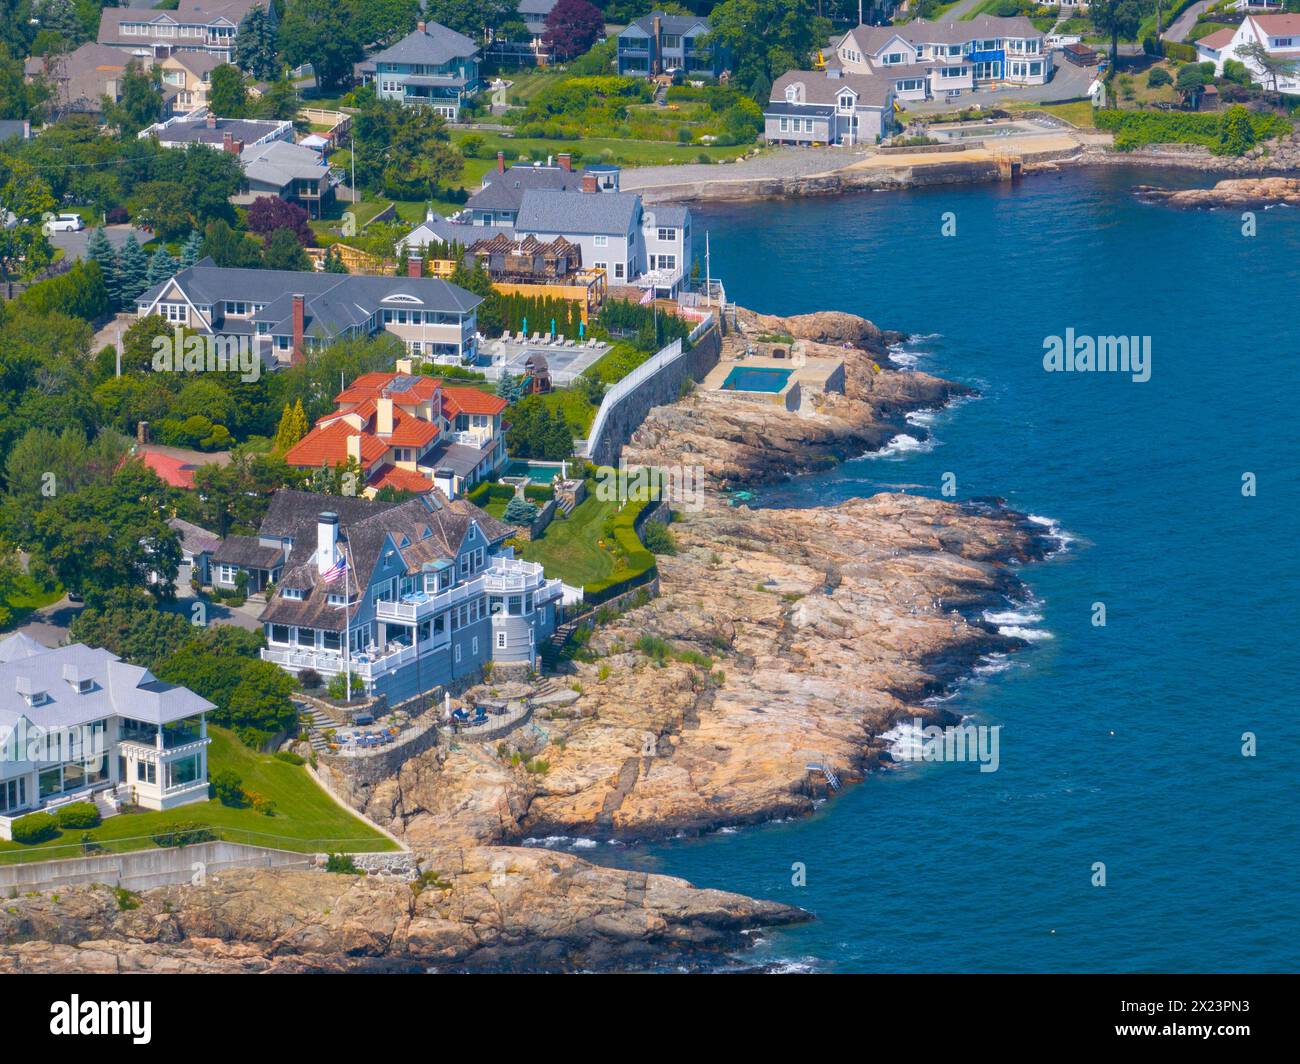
34, 828
1235, 71
659, 539
309, 678
289, 757
79, 815
343, 864
520, 512
338, 689
184, 833
228, 788
1159, 76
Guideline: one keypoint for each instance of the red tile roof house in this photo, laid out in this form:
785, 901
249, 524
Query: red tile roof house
409, 432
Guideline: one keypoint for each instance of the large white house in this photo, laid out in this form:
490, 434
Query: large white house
943, 60
77, 721
1280, 36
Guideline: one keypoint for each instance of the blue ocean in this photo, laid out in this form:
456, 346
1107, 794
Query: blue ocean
1121, 744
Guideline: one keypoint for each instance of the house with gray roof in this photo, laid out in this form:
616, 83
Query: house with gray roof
498, 200
78, 722
431, 67
828, 107
533, 13
232, 134
281, 314
194, 26
291, 171
80, 80
659, 43
407, 596
946, 58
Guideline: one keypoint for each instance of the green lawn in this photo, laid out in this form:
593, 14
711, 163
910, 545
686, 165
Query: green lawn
306, 818
25, 596
574, 406
604, 149
570, 547
1077, 113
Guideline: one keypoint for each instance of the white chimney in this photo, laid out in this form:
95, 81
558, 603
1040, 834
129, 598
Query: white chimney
327, 540
406, 365
384, 416
354, 447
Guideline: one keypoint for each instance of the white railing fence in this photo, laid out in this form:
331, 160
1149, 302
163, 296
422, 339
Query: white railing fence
666, 357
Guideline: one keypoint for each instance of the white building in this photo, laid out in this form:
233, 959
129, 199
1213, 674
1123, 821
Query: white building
76, 721
1280, 36
943, 60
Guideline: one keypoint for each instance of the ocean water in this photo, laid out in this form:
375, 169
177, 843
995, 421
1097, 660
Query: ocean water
1120, 744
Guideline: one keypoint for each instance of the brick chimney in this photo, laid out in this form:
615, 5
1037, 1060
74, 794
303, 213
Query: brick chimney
299, 316
566, 161
589, 183
212, 121
414, 266
228, 142
501, 162
384, 416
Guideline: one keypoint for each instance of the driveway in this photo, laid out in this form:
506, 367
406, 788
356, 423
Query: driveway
74, 244
1183, 24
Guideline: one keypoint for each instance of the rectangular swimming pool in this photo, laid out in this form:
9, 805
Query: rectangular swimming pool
756, 379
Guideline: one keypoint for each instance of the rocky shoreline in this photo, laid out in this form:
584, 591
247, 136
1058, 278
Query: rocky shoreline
1236, 193
779, 638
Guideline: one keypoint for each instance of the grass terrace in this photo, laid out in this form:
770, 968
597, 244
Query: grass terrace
306, 819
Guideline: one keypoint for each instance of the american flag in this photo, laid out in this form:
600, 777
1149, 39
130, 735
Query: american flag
648, 297
335, 571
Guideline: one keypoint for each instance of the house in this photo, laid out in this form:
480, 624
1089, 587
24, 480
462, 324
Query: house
636, 245
291, 171
408, 432
81, 79
197, 548
431, 67
533, 13
195, 26
407, 596
1278, 34
944, 59
190, 75
77, 721
831, 107
281, 314
231, 134
498, 201
659, 43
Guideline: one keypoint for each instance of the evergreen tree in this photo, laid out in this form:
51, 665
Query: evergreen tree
132, 271
293, 427
101, 251
161, 266
519, 511
334, 262
191, 249
255, 46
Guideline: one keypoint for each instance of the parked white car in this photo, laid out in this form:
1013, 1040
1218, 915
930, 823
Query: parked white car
65, 223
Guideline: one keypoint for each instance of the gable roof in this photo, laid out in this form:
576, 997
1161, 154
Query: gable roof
434, 45
280, 162
1216, 40
432, 528
671, 23
553, 211
505, 192
820, 89
1277, 25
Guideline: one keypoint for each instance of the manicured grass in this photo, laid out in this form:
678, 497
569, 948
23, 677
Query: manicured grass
606, 149
1077, 113
574, 406
306, 818
570, 548
26, 596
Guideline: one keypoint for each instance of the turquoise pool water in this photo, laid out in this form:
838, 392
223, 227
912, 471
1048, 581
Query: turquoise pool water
538, 473
755, 379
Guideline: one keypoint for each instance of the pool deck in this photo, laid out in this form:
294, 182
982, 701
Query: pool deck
807, 375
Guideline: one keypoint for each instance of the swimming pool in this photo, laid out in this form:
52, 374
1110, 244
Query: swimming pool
537, 472
756, 379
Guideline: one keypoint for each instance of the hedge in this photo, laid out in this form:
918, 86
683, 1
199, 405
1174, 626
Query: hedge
34, 828
184, 833
641, 561
1135, 129
481, 493
79, 815
79, 292
539, 492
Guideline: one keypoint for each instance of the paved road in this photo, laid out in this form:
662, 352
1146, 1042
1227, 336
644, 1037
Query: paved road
1183, 23
74, 244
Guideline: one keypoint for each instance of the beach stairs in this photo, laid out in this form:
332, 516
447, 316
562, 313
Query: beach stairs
554, 645
828, 773
317, 722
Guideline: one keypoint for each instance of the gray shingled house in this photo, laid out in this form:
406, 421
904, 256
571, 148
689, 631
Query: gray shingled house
431, 67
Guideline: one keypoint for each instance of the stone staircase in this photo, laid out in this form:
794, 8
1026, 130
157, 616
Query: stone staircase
318, 722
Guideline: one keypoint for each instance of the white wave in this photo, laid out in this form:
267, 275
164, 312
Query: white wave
1033, 635
1054, 532
992, 664
552, 842
1020, 616
793, 967
584, 844
902, 445
905, 741
922, 418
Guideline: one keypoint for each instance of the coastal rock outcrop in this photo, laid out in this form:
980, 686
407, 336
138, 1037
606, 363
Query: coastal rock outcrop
1247, 193
476, 908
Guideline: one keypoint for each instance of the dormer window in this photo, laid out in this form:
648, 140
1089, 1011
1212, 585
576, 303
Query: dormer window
293, 594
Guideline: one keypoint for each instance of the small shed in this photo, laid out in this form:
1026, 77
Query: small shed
1080, 54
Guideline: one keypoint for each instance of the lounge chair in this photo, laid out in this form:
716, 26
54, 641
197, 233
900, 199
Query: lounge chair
537, 337
560, 341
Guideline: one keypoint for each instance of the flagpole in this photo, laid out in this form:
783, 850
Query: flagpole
347, 634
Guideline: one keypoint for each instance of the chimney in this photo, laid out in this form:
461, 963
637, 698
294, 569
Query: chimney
589, 183
327, 539
420, 26
414, 266
212, 121
227, 141
142, 432
501, 162
405, 365
354, 447
299, 318
383, 416
656, 66
566, 161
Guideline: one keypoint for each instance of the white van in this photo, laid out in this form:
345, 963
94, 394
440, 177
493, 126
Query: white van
65, 223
